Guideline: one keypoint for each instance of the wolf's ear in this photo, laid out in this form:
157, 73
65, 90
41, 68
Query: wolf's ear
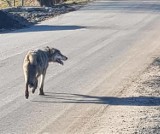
48, 49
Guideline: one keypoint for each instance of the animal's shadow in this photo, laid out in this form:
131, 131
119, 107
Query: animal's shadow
87, 99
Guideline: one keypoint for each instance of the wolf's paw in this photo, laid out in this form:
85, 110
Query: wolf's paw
41, 93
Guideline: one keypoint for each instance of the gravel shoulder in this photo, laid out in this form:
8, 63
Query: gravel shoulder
147, 90
137, 107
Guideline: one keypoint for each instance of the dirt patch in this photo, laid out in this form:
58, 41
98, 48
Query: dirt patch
8, 22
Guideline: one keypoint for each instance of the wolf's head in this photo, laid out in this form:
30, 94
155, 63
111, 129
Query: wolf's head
55, 55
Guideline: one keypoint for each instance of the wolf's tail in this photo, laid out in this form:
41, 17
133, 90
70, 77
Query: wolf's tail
32, 70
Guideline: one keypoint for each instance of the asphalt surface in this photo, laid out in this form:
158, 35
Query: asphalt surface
106, 42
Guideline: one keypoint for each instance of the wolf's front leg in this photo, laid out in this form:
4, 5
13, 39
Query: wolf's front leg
42, 83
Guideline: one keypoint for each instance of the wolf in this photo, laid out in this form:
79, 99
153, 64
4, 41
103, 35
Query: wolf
35, 65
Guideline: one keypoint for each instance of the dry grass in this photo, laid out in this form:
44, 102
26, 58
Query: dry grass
10, 3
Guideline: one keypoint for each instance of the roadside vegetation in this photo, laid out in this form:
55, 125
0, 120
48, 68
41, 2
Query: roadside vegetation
17, 3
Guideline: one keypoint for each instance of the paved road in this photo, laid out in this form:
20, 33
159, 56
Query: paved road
106, 43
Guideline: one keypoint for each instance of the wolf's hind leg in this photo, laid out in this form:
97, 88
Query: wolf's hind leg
26, 91
26, 84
